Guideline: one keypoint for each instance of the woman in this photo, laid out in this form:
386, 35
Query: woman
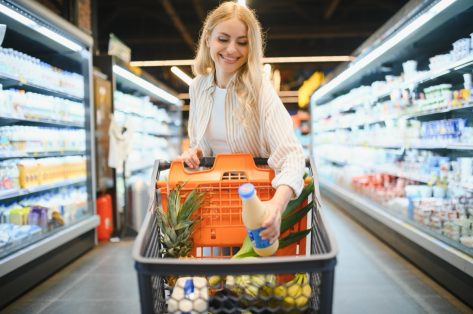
234, 109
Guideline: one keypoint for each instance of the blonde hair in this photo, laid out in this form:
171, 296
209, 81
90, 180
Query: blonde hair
249, 76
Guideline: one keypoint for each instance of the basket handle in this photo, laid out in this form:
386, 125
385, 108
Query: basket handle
208, 162
220, 165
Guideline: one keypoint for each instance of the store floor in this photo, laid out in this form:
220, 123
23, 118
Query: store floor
369, 278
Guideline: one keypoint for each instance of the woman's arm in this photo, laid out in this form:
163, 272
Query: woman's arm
286, 155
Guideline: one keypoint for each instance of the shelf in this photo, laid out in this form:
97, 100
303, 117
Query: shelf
433, 112
42, 188
157, 134
388, 170
418, 145
466, 62
41, 155
437, 247
139, 115
38, 249
394, 171
10, 82
396, 117
7, 120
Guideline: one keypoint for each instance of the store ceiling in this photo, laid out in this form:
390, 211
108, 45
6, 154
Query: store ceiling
165, 29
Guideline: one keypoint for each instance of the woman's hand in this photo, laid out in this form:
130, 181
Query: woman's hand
274, 208
191, 157
273, 221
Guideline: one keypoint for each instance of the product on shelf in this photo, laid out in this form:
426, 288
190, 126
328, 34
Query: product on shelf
21, 221
150, 125
30, 70
43, 171
28, 105
29, 140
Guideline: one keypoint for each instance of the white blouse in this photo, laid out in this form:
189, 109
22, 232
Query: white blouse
216, 133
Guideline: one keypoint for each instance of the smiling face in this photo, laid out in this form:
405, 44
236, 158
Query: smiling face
228, 44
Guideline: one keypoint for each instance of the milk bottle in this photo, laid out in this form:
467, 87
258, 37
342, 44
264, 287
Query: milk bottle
253, 215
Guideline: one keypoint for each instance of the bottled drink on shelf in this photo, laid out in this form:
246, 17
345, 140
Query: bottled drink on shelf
253, 215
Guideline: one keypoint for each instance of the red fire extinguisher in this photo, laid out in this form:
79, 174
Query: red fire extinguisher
104, 210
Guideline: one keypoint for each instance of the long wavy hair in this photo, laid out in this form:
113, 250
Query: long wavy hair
248, 78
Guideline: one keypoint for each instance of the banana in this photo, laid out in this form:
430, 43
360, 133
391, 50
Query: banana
295, 292
280, 291
251, 291
289, 301
306, 290
214, 280
258, 280
301, 301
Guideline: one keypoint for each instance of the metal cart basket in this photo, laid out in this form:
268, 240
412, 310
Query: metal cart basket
314, 258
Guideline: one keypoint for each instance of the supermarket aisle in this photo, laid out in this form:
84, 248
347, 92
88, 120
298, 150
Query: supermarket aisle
101, 281
372, 278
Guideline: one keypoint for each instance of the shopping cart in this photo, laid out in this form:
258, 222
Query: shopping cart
218, 236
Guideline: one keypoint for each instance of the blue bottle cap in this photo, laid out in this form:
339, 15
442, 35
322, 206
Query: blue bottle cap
246, 191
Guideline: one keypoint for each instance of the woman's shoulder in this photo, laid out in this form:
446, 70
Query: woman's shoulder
268, 93
201, 81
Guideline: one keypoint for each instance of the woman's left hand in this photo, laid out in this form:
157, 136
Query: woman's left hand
272, 222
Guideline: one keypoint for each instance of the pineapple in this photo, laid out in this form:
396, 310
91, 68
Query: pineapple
177, 223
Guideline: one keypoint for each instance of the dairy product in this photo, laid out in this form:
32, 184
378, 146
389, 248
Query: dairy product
253, 215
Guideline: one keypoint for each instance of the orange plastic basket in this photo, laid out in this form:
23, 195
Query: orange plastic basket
221, 231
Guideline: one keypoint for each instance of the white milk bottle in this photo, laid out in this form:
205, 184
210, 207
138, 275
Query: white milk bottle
253, 215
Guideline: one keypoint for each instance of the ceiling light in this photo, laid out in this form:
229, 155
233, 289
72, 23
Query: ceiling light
308, 59
17, 16
402, 34
40, 29
153, 89
242, 2
59, 38
182, 75
161, 63
313, 59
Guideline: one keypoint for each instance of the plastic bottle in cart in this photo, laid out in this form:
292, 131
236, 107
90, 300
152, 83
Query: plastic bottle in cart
253, 215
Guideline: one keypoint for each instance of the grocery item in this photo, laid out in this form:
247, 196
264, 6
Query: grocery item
176, 224
253, 216
190, 295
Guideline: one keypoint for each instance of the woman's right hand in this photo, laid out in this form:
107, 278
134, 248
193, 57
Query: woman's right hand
191, 157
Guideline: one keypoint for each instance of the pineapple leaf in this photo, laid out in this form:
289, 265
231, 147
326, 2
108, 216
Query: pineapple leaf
309, 188
192, 202
293, 237
182, 225
174, 203
289, 221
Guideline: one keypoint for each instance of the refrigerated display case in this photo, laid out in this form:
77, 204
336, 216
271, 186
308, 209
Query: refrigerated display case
392, 133
47, 208
148, 116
